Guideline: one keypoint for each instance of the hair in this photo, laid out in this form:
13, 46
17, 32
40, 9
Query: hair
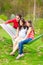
31, 25
24, 26
19, 15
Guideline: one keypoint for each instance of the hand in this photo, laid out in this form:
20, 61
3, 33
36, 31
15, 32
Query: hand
13, 37
5, 22
23, 39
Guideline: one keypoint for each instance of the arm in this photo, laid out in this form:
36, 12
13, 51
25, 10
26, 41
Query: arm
9, 21
28, 32
16, 33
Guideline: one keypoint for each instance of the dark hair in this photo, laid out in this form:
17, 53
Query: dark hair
19, 15
31, 25
24, 26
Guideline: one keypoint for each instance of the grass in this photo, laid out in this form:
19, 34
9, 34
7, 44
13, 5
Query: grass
33, 52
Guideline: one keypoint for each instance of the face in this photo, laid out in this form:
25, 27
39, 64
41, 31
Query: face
27, 24
21, 23
17, 18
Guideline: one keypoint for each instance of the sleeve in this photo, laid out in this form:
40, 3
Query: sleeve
10, 21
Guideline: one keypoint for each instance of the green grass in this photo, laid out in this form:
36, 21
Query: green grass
33, 52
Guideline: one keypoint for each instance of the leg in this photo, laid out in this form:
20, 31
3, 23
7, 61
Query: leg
21, 47
15, 45
22, 43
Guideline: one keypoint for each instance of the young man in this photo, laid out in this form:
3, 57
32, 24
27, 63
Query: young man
14, 21
13, 29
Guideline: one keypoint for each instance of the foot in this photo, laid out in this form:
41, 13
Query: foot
12, 53
20, 55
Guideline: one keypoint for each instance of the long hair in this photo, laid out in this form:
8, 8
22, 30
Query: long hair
24, 26
31, 25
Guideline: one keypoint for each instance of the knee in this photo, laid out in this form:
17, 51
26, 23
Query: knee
20, 44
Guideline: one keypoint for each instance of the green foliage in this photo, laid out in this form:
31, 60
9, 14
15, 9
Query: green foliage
3, 17
23, 7
39, 2
38, 24
29, 17
32, 55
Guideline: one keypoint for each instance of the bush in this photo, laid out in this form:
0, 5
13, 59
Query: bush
4, 17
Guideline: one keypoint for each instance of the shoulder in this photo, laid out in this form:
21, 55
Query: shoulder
14, 19
30, 28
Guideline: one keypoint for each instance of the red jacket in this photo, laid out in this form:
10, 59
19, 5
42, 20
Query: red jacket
14, 21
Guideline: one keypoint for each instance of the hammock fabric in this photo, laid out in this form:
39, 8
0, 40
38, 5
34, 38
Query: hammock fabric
36, 38
11, 31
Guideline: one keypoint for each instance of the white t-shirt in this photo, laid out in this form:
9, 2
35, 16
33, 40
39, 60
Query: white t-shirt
22, 32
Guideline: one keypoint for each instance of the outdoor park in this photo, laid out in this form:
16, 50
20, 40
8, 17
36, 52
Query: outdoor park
30, 10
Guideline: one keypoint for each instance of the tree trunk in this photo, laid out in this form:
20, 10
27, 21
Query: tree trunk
34, 11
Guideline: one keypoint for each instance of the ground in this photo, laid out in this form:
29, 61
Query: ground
33, 53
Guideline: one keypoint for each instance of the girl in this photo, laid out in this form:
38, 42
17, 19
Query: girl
28, 38
21, 33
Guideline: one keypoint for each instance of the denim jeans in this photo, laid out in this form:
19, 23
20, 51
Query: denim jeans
22, 43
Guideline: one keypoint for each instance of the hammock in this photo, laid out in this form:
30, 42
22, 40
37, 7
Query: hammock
35, 39
8, 28
11, 31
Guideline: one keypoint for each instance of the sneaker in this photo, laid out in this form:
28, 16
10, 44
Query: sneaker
20, 55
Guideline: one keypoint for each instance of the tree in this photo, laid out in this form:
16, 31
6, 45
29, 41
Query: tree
34, 11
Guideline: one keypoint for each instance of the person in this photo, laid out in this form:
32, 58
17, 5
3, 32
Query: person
14, 21
13, 28
21, 33
27, 39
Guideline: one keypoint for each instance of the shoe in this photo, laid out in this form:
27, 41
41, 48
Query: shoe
20, 55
